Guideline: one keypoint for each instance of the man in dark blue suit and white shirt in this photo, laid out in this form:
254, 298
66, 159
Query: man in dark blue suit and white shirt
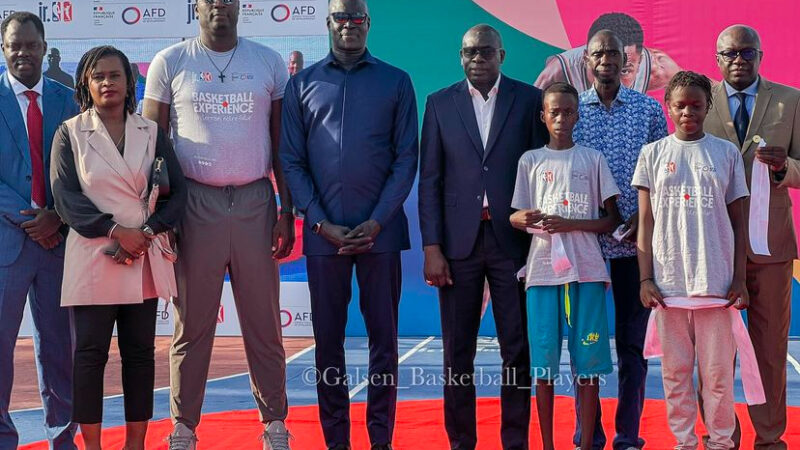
349, 153
31, 233
473, 135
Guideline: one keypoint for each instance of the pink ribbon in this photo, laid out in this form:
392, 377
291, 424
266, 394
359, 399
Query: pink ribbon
558, 254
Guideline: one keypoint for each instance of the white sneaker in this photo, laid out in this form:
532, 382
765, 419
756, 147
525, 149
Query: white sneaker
182, 438
276, 436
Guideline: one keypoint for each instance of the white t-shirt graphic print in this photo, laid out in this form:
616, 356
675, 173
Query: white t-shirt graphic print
220, 129
691, 183
573, 184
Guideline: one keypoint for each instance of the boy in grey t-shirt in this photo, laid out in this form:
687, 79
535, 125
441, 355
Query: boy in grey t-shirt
692, 260
560, 191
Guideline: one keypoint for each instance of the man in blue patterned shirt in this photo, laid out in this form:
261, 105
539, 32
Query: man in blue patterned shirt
618, 121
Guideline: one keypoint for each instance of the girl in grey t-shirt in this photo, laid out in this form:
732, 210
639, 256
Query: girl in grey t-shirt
692, 260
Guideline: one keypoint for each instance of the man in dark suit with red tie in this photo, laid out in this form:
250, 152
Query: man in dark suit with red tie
31, 233
473, 135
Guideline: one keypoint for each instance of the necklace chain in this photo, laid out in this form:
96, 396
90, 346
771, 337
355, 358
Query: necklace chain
121, 138
221, 75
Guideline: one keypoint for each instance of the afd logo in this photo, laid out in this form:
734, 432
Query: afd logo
55, 11
133, 15
298, 318
282, 12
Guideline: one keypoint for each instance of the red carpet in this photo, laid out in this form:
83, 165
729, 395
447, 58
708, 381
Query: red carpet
419, 426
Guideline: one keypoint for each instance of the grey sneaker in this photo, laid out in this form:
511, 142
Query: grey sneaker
182, 438
276, 436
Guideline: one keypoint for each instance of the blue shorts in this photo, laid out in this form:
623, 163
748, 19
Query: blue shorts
582, 308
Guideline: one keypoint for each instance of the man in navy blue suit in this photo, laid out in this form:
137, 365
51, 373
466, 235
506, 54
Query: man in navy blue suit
31, 233
349, 153
473, 135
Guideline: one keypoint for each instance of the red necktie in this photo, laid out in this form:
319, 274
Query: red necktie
35, 138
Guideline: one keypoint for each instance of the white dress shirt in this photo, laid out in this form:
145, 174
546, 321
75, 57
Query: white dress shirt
484, 112
750, 100
22, 99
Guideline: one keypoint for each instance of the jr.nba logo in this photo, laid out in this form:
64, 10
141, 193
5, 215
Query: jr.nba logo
671, 167
206, 76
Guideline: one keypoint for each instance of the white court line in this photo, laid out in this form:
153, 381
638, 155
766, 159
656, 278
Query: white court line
793, 362
407, 355
166, 388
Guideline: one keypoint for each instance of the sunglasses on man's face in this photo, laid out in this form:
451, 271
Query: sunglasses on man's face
747, 54
486, 52
224, 2
355, 18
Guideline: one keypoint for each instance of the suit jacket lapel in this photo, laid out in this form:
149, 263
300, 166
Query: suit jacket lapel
763, 97
9, 109
720, 102
101, 143
137, 143
52, 114
505, 98
465, 109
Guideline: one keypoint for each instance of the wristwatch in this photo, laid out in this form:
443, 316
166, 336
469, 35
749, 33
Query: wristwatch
317, 227
148, 230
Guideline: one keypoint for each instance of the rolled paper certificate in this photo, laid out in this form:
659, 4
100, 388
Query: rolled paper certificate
758, 220
558, 254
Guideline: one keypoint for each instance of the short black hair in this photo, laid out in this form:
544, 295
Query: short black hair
21, 17
560, 87
686, 78
624, 26
87, 64
488, 29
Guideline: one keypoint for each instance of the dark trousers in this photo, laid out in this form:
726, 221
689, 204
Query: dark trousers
630, 327
461, 316
330, 284
136, 329
768, 321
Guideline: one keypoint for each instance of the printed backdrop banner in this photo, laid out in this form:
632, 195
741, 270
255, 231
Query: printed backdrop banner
424, 41
89, 19
295, 313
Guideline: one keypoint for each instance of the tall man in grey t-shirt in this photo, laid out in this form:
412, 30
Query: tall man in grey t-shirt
221, 98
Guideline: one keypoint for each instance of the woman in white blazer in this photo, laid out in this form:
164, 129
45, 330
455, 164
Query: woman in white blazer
118, 261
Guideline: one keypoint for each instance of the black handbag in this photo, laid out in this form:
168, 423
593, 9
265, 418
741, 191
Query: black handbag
159, 176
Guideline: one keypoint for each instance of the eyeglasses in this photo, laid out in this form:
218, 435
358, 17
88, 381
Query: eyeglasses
747, 54
224, 2
486, 52
355, 18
